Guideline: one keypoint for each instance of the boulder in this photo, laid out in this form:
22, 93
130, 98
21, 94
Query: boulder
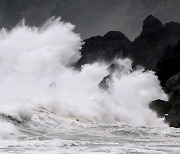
168, 72
172, 106
161, 107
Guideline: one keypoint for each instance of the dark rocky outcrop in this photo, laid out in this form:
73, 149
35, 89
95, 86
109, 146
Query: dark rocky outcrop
169, 64
168, 71
113, 68
161, 107
113, 44
148, 48
173, 86
157, 48
104, 84
169, 109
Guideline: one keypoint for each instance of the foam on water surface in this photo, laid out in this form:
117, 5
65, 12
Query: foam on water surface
47, 104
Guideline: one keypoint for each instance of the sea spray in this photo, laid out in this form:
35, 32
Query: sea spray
36, 72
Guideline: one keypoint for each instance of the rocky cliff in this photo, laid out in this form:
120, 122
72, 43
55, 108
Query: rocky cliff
157, 48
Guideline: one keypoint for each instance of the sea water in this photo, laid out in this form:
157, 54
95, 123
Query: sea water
48, 106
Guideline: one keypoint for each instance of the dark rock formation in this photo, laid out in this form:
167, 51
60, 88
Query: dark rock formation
169, 64
168, 71
113, 68
156, 48
148, 48
113, 44
161, 107
104, 84
173, 86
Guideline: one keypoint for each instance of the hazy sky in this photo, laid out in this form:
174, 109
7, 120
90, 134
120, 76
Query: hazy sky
91, 17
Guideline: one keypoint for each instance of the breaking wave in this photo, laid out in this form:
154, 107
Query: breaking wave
36, 72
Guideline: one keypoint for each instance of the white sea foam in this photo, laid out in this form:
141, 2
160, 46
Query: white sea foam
8, 131
35, 72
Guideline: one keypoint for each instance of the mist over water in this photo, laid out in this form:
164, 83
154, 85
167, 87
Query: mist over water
36, 72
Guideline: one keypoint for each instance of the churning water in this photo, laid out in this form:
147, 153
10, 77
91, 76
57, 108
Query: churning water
46, 106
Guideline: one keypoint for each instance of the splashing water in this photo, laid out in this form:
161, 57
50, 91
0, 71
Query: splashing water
49, 107
35, 71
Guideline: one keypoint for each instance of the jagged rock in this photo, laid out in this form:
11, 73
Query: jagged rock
113, 44
146, 50
117, 69
173, 118
104, 84
171, 107
151, 24
149, 47
173, 84
168, 71
156, 48
169, 64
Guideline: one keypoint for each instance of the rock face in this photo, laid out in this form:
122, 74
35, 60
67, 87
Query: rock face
113, 44
157, 48
146, 50
149, 47
168, 71
170, 109
169, 64
173, 86
161, 107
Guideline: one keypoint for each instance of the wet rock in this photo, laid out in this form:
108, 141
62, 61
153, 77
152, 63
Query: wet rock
173, 118
157, 48
104, 84
146, 50
168, 71
173, 89
149, 47
169, 64
161, 107
172, 106
112, 45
